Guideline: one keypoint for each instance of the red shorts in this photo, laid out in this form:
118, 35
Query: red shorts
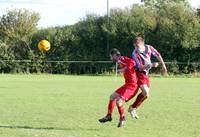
127, 92
143, 79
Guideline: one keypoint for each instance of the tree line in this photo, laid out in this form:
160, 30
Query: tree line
172, 27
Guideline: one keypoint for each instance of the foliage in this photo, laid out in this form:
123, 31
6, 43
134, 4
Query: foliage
171, 26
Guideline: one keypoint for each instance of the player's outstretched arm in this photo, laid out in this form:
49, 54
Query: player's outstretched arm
160, 59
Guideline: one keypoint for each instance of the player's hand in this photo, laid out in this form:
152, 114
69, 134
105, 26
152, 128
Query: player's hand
155, 64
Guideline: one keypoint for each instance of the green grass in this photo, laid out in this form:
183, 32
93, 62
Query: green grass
70, 106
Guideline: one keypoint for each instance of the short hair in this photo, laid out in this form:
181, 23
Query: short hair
138, 38
115, 51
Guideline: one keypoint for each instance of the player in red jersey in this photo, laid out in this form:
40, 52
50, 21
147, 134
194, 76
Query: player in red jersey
142, 55
125, 92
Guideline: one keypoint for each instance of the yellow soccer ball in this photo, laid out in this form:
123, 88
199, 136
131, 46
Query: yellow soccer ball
44, 45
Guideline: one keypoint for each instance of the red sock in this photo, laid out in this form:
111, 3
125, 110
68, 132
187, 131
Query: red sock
139, 100
121, 111
111, 107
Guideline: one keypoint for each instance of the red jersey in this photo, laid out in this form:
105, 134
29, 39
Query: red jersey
130, 74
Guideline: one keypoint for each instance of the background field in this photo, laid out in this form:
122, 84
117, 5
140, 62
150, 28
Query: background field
69, 106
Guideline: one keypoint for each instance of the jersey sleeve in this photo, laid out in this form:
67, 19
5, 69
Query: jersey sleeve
127, 62
154, 52
130, 63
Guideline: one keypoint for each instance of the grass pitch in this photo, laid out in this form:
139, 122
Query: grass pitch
70, 106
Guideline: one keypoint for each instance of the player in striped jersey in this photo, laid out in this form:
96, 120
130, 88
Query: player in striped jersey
142, 55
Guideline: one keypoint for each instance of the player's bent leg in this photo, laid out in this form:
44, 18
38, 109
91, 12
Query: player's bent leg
120, 107
111, 106
141, 97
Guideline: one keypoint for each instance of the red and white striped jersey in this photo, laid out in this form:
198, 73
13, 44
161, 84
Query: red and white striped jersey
144, 58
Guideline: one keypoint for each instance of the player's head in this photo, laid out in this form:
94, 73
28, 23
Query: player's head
138, 42
114, 54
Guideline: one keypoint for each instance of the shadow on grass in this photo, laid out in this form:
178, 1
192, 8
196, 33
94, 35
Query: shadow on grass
46, 128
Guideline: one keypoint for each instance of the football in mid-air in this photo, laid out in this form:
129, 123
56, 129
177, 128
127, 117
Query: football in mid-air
44, 45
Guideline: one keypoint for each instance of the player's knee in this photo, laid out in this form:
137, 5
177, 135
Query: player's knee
145, 90
112, 97
119, 102
145, 93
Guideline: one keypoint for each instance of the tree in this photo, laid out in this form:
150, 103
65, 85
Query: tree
198, 12
158, 4
16, 28
129, 23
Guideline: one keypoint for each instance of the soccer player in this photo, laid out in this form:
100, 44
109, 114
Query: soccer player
142, 55
125, 92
